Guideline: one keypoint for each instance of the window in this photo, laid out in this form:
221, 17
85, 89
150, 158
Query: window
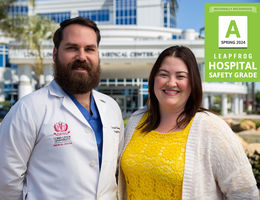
96, 15
4, 61
18, 10
1, 60
174, 37
58, 17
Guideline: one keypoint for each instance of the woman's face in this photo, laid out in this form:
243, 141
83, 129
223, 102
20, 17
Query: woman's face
172, 85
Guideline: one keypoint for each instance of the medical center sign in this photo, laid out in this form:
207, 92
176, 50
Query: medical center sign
232, 42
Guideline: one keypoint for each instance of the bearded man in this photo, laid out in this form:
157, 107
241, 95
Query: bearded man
62, 141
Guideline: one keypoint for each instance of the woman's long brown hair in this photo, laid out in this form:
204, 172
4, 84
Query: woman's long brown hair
193, 104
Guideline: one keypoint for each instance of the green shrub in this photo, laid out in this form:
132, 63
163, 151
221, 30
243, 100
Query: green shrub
257, 123
5, 103
216, 110
255, 162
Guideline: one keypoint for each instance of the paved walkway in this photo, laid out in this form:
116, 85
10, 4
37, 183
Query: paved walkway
242, 116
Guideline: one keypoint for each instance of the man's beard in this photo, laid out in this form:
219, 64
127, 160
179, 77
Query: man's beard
76, 82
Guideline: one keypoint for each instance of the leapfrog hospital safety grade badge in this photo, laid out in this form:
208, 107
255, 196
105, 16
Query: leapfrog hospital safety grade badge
232, 42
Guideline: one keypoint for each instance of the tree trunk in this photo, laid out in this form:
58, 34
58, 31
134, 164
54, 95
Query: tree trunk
253, 97
246, 105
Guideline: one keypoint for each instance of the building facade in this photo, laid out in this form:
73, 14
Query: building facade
133, 34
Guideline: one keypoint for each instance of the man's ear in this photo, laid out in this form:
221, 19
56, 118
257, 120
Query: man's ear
54, 54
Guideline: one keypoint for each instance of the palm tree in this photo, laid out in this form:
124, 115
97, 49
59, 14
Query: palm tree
4, 4
30, 31
175, 5
32, 2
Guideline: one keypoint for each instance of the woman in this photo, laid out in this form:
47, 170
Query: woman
174, 149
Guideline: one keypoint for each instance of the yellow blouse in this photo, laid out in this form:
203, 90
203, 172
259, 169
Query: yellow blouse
153, 164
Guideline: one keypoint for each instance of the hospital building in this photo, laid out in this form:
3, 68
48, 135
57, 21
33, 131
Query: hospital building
133, 33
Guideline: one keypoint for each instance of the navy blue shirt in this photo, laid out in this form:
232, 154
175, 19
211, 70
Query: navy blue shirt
94, 120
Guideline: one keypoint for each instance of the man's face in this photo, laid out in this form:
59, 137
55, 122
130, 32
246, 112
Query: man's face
77, 68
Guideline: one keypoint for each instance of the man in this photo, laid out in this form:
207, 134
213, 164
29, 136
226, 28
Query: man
62, 141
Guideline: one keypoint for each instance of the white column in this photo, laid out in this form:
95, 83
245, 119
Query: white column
41, 80
140, 96
48, 74
233, 104
205, 101
241, 104
211, 100
25, 80
224, 104
236, 104
2, 84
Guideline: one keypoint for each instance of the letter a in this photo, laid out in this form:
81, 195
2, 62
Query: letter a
232, 29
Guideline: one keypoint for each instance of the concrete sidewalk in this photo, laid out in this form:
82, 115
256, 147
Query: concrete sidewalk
242, 116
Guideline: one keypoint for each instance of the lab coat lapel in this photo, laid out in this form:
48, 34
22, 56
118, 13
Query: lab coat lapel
108, 140
68, 104
73, 109
106, 122
102, 108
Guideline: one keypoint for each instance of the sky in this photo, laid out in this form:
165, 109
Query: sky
190, 14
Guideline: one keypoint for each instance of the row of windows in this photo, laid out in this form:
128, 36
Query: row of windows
58, 17
125, 3
126, 12
18, 10
125, 8
96, 15
126, 21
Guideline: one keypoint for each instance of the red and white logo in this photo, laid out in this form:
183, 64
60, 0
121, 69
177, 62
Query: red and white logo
61, 128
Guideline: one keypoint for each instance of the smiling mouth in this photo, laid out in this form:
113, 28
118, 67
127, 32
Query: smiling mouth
171, 91
79, 69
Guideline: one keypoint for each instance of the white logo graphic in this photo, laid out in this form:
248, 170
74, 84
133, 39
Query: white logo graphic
232, 32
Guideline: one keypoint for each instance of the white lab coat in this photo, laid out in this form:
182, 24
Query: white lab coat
48, 149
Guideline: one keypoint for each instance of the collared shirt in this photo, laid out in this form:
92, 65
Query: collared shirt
94, 120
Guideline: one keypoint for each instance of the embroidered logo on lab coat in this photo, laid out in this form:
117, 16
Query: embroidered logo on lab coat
61, 128
116, 129
61, 134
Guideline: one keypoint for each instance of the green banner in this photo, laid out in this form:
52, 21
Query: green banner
232, 42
